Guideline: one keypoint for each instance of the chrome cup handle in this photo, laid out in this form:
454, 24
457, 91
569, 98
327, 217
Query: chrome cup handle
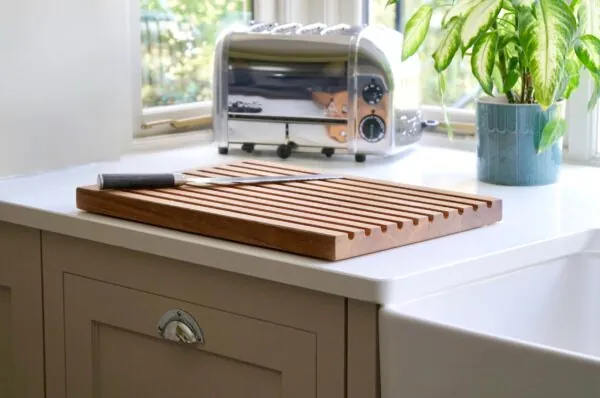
179, 326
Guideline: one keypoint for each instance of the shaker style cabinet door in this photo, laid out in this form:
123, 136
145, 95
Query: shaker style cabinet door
114, 349
21, 320
121, 323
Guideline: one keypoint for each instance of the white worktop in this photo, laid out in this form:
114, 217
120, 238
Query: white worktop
531, 215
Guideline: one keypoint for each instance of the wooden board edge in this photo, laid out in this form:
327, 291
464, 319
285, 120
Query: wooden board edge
97, 202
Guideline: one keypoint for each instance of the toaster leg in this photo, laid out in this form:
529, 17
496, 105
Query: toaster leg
248, 147
360, 157
284, 151
328, 152
223, 150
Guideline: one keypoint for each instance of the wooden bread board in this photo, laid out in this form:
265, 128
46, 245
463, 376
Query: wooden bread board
330, 219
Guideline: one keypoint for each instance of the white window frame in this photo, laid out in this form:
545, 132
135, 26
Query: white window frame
583, 125
582, 133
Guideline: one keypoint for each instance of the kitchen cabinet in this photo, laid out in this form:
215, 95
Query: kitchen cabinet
21, 319
105, 308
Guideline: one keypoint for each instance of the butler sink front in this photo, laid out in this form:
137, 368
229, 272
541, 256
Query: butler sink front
530, 333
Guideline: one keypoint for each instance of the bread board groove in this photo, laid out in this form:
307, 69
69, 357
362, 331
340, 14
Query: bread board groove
425, 197
328, 219
248, 207
331, 186
280, 206
319, 203
461, 195
303, 187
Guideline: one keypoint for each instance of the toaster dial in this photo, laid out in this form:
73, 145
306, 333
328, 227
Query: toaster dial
372, 128
372, 93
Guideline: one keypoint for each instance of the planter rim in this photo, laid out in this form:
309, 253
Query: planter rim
494, 101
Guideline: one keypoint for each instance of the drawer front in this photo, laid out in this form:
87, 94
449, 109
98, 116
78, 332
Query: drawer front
113, 349
21, 320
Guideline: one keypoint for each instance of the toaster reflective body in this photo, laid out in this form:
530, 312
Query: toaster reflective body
311, 88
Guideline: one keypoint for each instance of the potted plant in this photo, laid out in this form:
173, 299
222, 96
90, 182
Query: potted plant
527, 55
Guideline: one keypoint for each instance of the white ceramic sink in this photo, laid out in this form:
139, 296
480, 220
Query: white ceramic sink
531, 333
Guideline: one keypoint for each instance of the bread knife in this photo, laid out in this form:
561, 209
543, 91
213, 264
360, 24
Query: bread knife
170, 180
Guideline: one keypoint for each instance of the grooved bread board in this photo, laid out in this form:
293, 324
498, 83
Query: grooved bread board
329, 219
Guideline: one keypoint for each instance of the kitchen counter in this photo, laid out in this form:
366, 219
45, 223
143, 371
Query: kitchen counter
532, 216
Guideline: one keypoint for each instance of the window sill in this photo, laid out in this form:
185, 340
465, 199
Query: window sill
171, 141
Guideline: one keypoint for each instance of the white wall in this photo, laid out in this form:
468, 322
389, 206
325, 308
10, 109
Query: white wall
65, 83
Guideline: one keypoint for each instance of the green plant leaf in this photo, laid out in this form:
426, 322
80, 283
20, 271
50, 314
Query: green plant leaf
459, 10
507, 5
511, 79
587, 49
497, 78
513, 73
479, 20
571, 78
581, 10
482, 60
575, 5
508, 38
525, 19
547, 42
390, 2
416, 30
523, 3
443, 55
553, 131
596, 94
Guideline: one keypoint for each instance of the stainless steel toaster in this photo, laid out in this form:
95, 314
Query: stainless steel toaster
314, 88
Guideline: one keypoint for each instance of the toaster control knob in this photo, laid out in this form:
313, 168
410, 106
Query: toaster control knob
372, 93
372, 128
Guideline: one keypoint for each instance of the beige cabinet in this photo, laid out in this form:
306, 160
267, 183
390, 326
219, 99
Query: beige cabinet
115, 349
21, 319
105, 309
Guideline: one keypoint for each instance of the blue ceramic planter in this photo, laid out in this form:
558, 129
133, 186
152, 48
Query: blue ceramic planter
507, 140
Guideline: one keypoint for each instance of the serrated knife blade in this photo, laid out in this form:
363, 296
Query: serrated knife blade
170, 180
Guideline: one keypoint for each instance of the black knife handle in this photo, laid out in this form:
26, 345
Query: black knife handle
135, 181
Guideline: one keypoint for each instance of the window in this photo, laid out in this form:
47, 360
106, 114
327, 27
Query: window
177, 40
462, 88
595, 26
176, 57
584, 127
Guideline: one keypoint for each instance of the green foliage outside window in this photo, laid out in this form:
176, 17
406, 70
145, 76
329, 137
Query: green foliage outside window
177, 44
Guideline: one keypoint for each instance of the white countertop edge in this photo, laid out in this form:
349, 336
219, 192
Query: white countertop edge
450, 276
214, 253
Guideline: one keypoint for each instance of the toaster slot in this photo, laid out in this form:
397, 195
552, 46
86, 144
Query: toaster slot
288, 119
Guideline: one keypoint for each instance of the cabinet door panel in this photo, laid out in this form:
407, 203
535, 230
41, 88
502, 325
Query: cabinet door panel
284, 307
113, 349
21, 321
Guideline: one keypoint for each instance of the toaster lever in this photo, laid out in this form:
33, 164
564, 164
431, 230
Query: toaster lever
288, 28
313, 28
261, 27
